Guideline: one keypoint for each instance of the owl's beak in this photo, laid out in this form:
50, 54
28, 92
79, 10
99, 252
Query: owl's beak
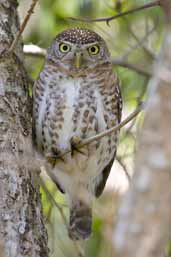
78, 60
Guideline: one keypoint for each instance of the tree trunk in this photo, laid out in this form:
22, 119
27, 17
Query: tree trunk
22, 232
144, 224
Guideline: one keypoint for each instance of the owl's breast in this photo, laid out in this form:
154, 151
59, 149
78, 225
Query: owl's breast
73, 112
71, 107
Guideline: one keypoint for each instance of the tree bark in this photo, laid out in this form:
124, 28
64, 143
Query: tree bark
144, 223
22, 232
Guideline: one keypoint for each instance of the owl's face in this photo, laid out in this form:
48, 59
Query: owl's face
77, 49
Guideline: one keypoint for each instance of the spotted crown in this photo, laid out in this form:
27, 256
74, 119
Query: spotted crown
79, 36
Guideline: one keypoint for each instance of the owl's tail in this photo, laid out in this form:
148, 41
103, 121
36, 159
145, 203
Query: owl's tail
80, 221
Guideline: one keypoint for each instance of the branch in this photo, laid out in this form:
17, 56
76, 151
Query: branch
140, 42
108, 131
166, 6
23, 25
108, 19
34, 50
122, 63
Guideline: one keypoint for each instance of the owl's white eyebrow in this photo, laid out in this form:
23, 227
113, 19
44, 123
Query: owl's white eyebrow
80, 45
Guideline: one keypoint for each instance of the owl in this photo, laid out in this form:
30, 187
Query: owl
77, 96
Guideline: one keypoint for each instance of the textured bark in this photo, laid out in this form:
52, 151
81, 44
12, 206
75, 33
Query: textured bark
22, 230
144, 223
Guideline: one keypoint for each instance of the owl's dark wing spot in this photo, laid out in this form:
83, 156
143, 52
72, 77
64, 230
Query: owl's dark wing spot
59, 187
105, 173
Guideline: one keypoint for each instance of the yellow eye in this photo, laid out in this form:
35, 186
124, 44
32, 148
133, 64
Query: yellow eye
64, 48
94, 49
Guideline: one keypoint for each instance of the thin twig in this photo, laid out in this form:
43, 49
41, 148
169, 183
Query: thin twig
140, 42
113, 129
42, 183
79, 249
124, 58
125, 64
108, 19
122, 164
107, 132
23, 25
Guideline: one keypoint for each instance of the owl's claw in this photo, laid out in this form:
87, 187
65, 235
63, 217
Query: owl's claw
75, 140
53, 156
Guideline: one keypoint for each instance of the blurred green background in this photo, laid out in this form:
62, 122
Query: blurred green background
134, 41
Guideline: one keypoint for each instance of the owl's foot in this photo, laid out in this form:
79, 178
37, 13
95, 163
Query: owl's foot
75, 141
54, 155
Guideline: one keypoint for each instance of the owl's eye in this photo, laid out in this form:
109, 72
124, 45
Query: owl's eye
64, 48
94, 49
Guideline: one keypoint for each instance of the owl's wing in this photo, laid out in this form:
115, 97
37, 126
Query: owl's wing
105, 173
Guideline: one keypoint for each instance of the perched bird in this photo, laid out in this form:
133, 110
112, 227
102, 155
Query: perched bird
77, 96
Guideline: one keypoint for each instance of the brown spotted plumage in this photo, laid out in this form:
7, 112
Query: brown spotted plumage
77, 96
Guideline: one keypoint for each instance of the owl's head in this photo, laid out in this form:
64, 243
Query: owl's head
76, 49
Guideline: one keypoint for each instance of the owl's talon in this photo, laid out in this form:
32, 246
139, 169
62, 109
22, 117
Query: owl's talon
51, 160
53, 156
75, 140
